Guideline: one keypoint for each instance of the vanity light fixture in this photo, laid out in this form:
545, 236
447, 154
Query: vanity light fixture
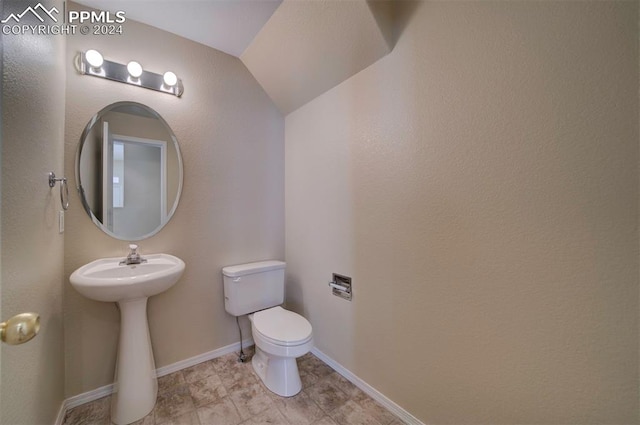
92, 63
94, 58
135, 69
170, 79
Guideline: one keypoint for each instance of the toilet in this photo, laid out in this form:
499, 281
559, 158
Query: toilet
280, 335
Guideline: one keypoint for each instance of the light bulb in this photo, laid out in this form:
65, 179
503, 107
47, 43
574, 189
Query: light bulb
170, 79
135, 69
94, 58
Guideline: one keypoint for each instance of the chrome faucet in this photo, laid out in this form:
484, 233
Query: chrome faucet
133, 257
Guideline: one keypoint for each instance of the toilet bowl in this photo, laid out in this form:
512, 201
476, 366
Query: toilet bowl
280, 337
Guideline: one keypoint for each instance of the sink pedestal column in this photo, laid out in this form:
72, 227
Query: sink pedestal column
136, 385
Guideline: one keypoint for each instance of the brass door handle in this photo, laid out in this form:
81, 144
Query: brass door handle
20, 328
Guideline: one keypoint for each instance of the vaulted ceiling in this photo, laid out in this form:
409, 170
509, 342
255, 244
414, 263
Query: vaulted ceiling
296, 49
227, 25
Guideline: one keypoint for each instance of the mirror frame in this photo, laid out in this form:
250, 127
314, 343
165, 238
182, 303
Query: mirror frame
94, 119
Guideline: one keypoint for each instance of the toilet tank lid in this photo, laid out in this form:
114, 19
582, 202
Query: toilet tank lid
251, 268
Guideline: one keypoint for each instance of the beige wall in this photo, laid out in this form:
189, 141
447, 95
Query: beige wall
308, 47
32, 374
231, 137
480, 185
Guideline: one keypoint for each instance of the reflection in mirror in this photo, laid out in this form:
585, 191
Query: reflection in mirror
129, 171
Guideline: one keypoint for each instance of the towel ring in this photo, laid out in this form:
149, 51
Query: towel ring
64, 189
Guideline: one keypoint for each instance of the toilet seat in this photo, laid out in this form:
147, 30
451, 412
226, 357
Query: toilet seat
282, 327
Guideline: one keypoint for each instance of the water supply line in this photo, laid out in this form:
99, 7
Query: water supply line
242, 357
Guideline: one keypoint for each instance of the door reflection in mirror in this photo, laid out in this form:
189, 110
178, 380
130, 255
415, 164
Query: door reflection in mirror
118, 175
136, 198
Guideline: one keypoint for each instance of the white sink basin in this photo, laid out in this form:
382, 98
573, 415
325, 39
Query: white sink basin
106, 280
136, 385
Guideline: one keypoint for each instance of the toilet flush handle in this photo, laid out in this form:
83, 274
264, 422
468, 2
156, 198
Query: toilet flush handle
237, 279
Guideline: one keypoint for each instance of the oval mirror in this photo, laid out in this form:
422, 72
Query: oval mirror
129, 171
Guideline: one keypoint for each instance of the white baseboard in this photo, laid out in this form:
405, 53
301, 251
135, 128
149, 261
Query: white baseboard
98, 393
402, 414
61, 413
106, 390
192, 361
83, 398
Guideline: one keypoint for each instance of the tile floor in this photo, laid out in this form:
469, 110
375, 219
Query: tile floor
224, 392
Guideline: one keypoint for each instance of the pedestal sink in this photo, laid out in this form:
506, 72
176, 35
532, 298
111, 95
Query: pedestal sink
107, 280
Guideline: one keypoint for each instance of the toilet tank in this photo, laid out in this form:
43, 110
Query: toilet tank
252, 287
